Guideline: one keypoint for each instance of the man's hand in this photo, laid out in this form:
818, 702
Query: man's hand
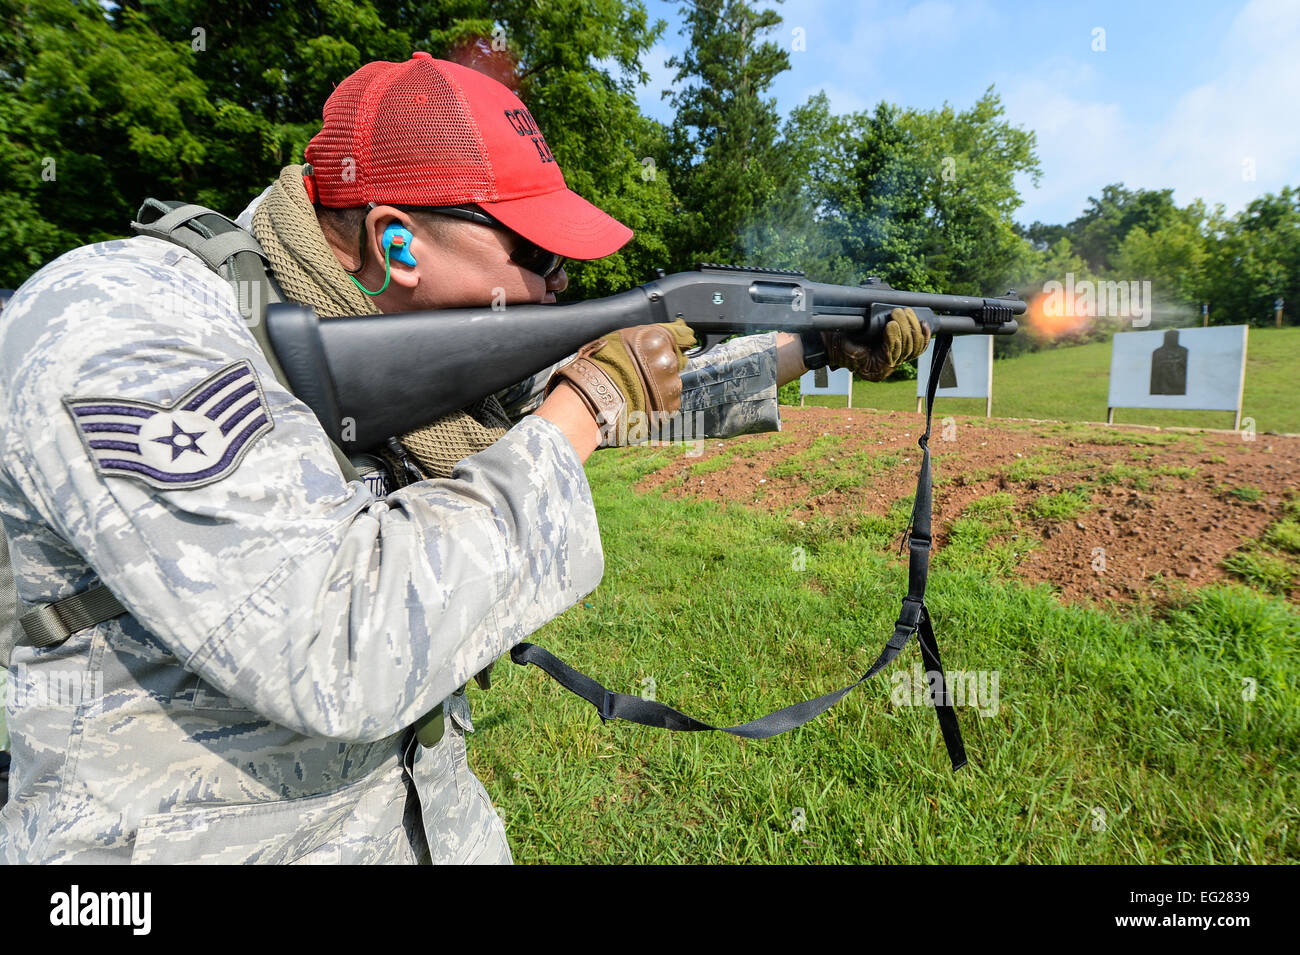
633, 370
904, 340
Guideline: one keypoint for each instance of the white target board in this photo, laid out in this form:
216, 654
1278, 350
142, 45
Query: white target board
824, 381
1202, 369
967, 373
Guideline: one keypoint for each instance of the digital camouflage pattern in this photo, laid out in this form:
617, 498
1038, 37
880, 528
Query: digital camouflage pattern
733, 385
4, 699
285, 626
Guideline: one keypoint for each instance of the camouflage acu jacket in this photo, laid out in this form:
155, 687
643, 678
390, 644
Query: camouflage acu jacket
284, 626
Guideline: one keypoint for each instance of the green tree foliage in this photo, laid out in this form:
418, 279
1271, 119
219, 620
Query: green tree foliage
96, 118
579, 61
1041, 235
1098, 232
189, 100
973, 246
723, 154
573, 63
925, 199
1172, 258
1238, 264
1254, 258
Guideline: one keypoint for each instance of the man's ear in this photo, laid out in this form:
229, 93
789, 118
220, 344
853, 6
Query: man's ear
390, 232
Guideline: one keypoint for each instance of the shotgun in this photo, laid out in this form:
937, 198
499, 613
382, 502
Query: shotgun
368, 378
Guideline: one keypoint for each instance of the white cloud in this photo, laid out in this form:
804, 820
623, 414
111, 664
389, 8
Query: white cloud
1245, 119
1247, 114
1078, 142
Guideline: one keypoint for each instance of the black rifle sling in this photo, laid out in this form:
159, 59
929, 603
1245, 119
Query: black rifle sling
915, 616
913, 619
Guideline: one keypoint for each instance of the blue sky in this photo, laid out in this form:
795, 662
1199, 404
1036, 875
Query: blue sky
1201, 96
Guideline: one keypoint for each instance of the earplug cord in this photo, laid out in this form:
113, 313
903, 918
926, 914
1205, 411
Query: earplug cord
388, 270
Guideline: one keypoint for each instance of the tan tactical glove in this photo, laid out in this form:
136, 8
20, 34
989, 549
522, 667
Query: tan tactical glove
905, 338
633, 370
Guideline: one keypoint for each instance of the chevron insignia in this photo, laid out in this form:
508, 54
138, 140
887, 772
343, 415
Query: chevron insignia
199, 438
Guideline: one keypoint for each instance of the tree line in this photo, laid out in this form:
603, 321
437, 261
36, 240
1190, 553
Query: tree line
102, 105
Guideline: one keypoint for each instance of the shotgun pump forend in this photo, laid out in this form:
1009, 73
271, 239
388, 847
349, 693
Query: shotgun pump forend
370, 377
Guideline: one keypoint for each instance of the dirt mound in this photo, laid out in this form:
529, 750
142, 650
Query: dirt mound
1155, 506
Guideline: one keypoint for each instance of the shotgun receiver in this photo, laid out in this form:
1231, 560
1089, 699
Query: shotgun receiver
371, 377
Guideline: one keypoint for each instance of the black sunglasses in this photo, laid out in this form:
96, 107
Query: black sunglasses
528, 254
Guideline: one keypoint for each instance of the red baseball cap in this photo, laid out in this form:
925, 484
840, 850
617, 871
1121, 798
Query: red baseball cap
433, 133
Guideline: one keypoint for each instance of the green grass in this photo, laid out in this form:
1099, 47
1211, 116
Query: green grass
1140, 477
1034, 466
734, 450
1261, 570
1177, 730
1062, 506
1071, 384
718, 462
1285, 535
768, 442
823, 466
801, 464
984, 537
1271, 563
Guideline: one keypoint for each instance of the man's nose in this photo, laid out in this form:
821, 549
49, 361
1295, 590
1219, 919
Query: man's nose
558, 282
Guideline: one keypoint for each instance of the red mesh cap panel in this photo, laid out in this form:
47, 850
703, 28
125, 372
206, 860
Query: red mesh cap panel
425, 149
335, 152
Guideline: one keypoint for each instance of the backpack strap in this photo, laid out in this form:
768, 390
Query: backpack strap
51, 624
235, 255
224, 247
8, 604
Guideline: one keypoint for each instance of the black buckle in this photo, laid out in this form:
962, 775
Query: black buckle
903, 623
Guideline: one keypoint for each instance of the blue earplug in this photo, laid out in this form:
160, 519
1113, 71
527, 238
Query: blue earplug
397, 241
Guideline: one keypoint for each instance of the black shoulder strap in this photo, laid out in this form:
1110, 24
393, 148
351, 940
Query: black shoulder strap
914, 619
226, 249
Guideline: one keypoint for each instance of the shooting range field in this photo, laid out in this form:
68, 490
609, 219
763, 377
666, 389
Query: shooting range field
1143, 713
1070, 384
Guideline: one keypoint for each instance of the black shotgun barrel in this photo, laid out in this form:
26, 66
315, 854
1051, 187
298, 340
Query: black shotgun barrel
371, 377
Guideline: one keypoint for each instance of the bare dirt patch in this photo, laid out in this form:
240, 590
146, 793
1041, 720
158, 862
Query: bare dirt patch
1163, 506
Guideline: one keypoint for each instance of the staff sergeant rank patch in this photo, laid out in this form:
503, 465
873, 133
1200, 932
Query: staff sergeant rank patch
199, 438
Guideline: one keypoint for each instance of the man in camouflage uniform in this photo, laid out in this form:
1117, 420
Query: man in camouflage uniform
284, 627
